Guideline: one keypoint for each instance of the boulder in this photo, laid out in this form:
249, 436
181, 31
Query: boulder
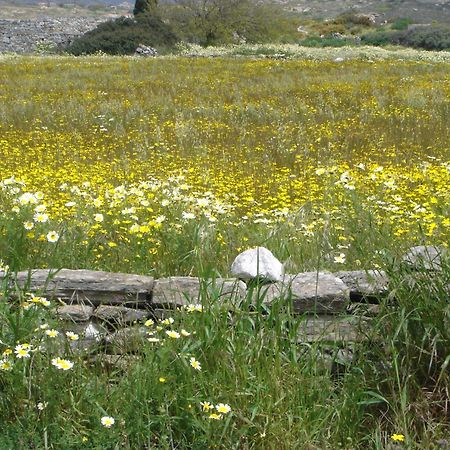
144, 50
257, 263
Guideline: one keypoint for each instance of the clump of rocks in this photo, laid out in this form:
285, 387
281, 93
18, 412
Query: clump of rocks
146, 51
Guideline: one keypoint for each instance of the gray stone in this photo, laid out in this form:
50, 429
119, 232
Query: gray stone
37, 35
120, 314
425, 257
126, 340
365, 283
318, 292
332, 329
144, 50
88, 286
363, 309
90, 334
257, 263
180, 291
75, 313
224, 289
176, 291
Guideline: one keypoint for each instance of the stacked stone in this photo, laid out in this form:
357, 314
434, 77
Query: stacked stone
108, 309
28, 36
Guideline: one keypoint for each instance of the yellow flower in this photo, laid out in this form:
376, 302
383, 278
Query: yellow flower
168, 321
22, 351
398, 437
173, 334
72, 336
185, 333
5, 365
107, 421
162, 380
195, 364
51, 333
52, 236
215, 416
149, 323
206, 406
223, 408
340, 259
62, 364
40, 217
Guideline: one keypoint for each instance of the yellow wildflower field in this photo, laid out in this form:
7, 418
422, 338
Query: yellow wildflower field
173, 165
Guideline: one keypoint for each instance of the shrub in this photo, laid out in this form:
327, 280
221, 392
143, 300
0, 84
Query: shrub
380, 38
401, 23
429, 38
353, 18
122, 36
328, 41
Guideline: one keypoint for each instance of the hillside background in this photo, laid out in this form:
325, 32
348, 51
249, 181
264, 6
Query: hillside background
420, 11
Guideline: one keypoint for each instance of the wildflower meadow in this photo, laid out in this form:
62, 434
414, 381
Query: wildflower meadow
174, 165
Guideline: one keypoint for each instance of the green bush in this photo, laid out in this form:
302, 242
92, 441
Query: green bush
327, 41
427, 38
401, 23
353, 18
122, 36
380, 38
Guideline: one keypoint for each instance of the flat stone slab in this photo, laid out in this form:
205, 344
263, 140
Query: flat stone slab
365, 283
75, 313
318, 292
332, 329
120, 314
181, 291
88, 286
425, 257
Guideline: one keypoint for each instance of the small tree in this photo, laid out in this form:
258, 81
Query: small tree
145, 6
210, 22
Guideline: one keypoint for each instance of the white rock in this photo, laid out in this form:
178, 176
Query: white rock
91, 332
257, 263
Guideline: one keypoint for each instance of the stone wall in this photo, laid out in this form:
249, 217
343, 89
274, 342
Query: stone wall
29, 36
110, 312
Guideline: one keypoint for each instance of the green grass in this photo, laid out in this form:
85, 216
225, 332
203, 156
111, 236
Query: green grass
281, 394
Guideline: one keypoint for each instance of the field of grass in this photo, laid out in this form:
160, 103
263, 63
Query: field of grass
172, 166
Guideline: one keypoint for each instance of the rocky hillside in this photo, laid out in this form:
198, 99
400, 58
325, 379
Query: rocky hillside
420, 11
